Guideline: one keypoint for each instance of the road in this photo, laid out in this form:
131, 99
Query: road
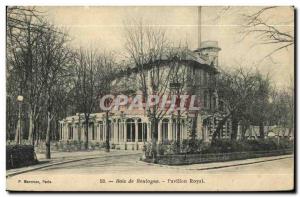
103, 173
130, 164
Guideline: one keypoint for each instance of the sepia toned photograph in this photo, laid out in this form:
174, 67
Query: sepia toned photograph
150, 98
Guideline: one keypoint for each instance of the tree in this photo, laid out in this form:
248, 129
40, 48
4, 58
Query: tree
25, 29
152, 54
260, 105
37, 59
236, 91
258, 24
92, 74
282, 109
55, 60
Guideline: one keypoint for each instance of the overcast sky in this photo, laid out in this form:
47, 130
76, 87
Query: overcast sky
103, 28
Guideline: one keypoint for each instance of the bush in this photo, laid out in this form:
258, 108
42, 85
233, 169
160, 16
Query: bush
148, 149
191, 146
113, 146
20, 155
137, 146
162, 149
172, 148
285, 143
227, 145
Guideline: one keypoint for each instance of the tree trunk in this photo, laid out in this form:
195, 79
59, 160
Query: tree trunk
48, 136
290, 132
235, 125
154, 127
219, 127
31, 128
86, 132
261, 130
243, 132
194, 127
107, 146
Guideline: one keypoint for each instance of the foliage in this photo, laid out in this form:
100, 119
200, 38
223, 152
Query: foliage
19, 156
189, 146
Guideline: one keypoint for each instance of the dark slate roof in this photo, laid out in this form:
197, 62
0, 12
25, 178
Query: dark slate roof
186, 56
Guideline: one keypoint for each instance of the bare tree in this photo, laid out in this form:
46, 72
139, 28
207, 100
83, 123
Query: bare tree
282, 109
24, 32
36, 65
236, 91
258, 24
55, 59
92, 76
153, 56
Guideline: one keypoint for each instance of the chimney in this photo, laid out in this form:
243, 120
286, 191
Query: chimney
209, 52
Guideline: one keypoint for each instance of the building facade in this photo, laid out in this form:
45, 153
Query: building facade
133, 127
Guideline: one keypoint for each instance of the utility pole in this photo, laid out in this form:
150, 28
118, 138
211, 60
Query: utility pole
199, 26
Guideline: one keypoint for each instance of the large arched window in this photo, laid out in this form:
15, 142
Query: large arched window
164, 129
120, 136
70, 132
101, 131
130, 124
140, 130
94, 131
145, 132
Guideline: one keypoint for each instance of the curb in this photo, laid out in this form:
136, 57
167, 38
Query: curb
217, 167
63, 162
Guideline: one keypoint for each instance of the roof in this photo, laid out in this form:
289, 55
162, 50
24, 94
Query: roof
208, 45
184, 54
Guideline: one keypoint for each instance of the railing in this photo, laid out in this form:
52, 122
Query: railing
217, 157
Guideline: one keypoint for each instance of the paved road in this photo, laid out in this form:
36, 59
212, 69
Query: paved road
132, 165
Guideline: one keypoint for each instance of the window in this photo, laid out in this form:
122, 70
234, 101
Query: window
93, 130
70, 132
205, 100
130, 130
164, 132
101, 131
140, 130
144, 132
204, 78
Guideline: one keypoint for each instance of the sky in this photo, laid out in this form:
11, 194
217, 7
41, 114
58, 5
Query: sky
103, 28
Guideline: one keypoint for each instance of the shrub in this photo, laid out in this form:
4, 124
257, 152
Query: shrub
92, 146
191, 146
227, 145
113, 146
19, 156
161, 148
172, 148
285, 143
61, 146
97, 145
148, 149
137, 146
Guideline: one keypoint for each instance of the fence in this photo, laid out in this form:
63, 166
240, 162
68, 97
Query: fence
183, 159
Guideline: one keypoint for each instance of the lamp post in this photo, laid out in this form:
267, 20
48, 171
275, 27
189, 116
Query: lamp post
19, 99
